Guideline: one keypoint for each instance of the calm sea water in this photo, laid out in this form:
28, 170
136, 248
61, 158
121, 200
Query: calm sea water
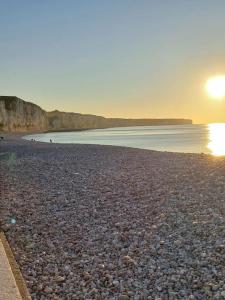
176, 138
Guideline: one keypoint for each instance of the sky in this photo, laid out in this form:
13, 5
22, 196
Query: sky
116, 58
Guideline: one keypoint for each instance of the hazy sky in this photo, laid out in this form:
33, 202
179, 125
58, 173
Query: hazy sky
121, 58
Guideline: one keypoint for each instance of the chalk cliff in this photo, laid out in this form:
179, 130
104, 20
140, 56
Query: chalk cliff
17, 115
73, 121
117, 122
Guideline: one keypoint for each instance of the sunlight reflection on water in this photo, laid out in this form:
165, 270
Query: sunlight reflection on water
216, 137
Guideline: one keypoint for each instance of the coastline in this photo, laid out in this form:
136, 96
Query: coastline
18, 133
98, 222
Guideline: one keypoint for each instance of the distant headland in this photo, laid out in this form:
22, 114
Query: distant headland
17, 115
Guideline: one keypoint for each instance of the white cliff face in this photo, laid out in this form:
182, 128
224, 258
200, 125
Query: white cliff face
73, 121
17, 115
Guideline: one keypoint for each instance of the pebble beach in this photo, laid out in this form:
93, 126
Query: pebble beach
105, 222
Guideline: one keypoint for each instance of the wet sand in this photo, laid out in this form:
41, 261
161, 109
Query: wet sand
104, 222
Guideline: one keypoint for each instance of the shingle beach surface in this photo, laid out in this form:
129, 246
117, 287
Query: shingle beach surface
104, 222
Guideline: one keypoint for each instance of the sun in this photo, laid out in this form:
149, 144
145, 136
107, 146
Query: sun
215, 87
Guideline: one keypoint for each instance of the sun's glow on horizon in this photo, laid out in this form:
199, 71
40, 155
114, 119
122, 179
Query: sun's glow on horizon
216, 139
215, 87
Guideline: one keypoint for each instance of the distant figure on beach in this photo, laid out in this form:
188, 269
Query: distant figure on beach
2, 137
50, 141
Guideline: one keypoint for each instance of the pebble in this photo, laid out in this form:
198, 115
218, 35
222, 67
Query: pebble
123, 297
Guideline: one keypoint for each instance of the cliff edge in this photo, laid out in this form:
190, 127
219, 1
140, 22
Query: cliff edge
17, 115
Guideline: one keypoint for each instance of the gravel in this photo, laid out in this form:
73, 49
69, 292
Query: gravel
103, 222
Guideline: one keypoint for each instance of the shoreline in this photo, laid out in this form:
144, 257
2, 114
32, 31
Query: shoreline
109, 222
20, 136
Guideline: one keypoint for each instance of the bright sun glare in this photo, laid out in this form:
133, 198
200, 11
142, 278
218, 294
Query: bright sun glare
215, 87
216, 139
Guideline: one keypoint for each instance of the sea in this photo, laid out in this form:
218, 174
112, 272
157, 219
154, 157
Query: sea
197, 138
